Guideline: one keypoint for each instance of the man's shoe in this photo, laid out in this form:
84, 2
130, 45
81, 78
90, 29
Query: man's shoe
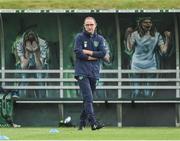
81, 127
97, 126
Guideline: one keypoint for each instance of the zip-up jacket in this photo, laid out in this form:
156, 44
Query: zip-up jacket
95, 43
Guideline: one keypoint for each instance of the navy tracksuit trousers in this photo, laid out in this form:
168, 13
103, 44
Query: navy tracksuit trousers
87, 87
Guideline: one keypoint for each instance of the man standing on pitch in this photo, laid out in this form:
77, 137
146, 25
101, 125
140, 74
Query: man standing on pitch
89, 49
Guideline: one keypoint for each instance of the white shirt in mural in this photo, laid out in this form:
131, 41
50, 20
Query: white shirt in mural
144, 56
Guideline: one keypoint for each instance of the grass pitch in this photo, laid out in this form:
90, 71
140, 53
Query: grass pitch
92, 4
107, 133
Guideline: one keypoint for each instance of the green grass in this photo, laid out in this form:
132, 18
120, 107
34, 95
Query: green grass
92, 4
133, 133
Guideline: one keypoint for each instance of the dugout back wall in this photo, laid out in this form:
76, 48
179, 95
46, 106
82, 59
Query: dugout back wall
58, 86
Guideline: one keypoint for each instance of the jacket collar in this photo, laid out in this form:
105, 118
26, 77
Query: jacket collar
90, 35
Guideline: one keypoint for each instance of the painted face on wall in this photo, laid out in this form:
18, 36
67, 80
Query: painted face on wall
30, 36
31, 42
146, 24
90, 25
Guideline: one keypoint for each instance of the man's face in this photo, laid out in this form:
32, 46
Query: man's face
146, 25
90, 25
